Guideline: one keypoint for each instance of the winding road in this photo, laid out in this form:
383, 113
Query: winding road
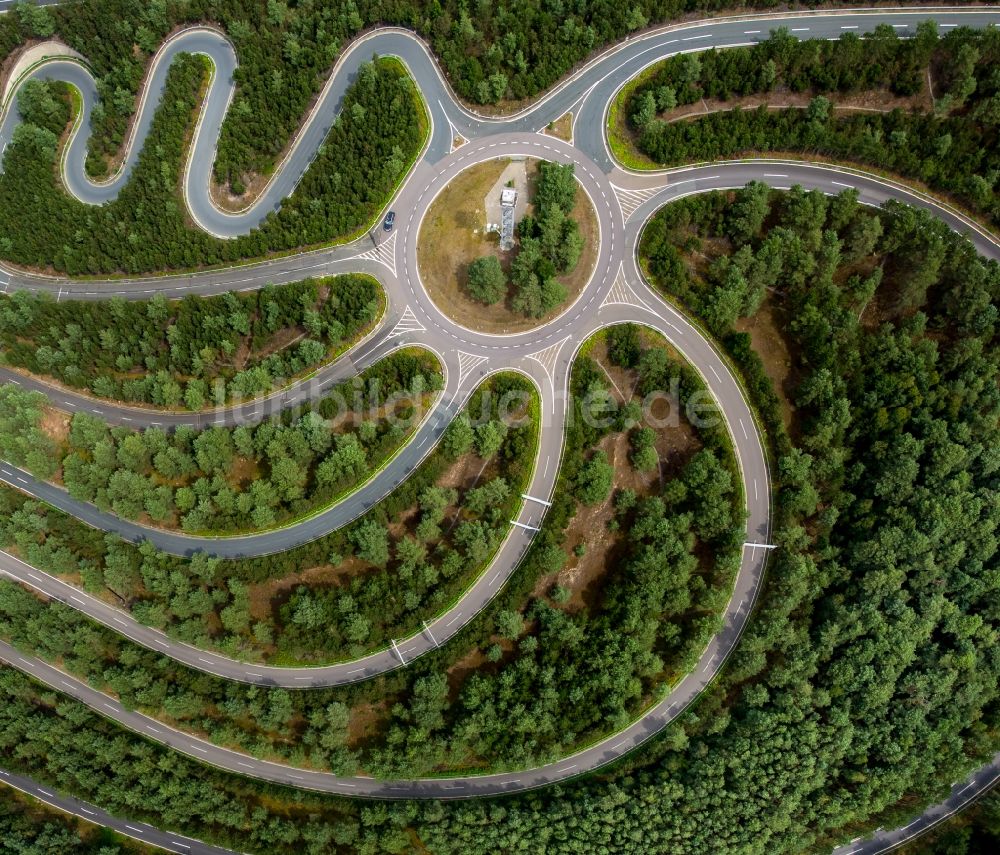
616, 293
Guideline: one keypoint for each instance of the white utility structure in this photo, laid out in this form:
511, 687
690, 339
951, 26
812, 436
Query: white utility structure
508, 199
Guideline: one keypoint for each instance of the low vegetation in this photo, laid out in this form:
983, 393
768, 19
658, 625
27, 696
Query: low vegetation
484, 287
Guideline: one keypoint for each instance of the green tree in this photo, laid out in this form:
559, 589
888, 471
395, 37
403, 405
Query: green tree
487, 281
458, 437
489, 437
371, 540
593, 481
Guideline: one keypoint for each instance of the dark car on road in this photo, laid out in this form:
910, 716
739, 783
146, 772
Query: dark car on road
389, 221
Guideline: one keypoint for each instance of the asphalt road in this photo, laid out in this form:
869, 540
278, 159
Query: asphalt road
615, 294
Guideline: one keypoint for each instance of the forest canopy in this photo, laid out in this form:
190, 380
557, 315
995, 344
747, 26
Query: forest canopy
368, 150
875, 634
196, 352
944, 129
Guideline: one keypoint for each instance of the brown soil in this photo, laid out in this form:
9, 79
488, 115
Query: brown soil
255, 185
243, 471
764, 328
465, 665
451, 237
403, 524
709, 249
282, 339
881, 101
266, 596
583, 575
766, 338
463, 473
55, 424
562, 127
366, 720
474, 661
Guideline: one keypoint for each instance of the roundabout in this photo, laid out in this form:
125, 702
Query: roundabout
462, 227
615, 293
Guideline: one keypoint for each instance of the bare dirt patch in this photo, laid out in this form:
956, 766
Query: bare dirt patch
254, 185
472, 661
881, 101
766, 338
452, 236
562, 128
463, 473
55, 424
583, 575
266, 596
279, 341
367, 718
243, 471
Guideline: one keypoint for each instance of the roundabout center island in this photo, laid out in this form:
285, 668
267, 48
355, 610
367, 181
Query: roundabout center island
508, 244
